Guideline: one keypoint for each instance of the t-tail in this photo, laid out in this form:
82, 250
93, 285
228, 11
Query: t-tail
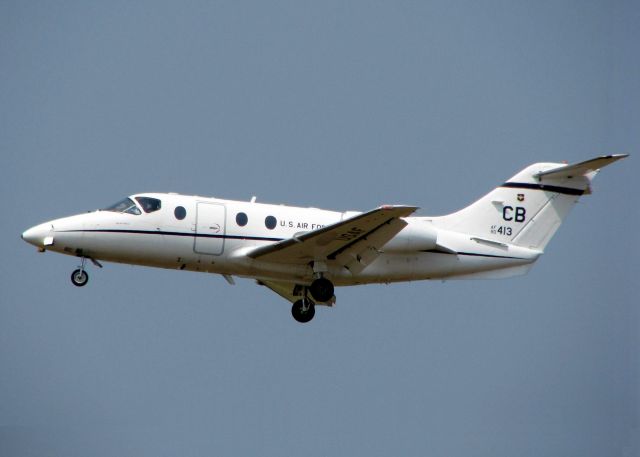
528, 209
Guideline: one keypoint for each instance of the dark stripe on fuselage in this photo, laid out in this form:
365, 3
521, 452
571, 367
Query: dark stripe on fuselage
252, 238
475, 254
160, 232
545, 187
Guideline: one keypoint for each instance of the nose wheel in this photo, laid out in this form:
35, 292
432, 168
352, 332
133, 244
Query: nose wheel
303, 310
80, 277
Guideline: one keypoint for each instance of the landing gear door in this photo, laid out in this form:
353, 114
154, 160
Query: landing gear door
210, 228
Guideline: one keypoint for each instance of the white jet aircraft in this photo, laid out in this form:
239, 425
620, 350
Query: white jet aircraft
302, 253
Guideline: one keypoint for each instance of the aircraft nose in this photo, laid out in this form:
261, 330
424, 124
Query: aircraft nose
36, 235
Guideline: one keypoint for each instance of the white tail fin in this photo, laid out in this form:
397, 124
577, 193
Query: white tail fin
528, 208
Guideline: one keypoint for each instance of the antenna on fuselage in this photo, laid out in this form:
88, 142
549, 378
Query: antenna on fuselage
253, 199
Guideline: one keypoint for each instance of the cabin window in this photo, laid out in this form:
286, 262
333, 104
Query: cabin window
149, 205
180, 213
270, 222
124, 206
241, 219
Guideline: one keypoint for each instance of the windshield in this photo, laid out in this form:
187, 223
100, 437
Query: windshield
124, 206
149, 205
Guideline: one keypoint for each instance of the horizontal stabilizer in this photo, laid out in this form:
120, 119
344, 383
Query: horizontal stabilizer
580, 168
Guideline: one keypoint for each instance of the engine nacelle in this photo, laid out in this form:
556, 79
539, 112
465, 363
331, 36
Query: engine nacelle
417, 236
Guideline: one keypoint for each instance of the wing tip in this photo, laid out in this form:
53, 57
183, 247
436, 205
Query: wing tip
409, 208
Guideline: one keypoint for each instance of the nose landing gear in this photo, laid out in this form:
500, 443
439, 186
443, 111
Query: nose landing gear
80, 277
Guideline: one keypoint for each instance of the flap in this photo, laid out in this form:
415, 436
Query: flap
327, 243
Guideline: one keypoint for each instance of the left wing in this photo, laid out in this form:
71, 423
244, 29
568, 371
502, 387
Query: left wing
286, 290
290, 292
352, 242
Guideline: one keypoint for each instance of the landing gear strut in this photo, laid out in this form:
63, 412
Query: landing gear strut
303, 310
80, 277
321, 289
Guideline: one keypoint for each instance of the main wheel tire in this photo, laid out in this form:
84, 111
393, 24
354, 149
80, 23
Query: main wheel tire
301, 314
79, 278
321, 290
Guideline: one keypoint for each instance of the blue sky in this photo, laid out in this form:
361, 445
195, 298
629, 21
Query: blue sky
339, 106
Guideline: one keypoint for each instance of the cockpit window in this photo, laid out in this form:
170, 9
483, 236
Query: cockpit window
149, 205
124, 206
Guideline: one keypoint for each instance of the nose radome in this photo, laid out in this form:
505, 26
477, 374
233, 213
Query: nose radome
36, 235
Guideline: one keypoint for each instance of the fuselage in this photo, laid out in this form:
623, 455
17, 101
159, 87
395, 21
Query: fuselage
193, 233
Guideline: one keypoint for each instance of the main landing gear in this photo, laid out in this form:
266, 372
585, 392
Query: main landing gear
303, 310
321, 290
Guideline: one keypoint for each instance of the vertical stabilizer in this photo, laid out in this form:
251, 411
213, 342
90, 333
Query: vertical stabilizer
528, 208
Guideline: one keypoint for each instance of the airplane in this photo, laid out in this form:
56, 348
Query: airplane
302, 254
